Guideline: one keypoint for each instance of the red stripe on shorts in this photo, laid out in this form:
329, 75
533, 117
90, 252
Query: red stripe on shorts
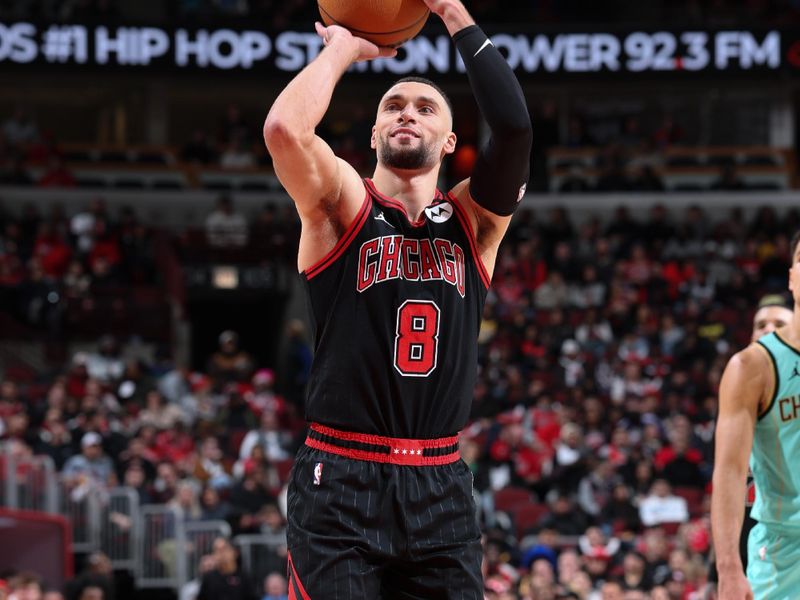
401, 451
294, 581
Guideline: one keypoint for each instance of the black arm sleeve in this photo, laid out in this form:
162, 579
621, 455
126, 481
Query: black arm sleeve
501, 170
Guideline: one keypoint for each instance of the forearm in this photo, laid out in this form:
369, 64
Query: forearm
303, 103
501, 169
727, 515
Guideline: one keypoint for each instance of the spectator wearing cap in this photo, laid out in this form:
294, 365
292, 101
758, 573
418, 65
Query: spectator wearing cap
229, 363
262, 396
595, 544
91, 466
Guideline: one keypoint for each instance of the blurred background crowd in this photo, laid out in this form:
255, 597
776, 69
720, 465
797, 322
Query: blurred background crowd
601, 350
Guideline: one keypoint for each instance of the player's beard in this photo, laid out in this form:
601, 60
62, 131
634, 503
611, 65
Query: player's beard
409, 158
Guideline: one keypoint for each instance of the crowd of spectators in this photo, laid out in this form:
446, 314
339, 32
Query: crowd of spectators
601, 350
279, 14
55, 268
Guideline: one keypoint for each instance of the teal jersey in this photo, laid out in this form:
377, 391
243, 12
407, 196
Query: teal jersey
775, 460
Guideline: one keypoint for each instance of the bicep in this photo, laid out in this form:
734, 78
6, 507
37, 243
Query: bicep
741, 391
311, 173
488, 227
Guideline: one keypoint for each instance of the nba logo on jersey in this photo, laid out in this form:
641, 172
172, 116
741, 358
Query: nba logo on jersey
318, 473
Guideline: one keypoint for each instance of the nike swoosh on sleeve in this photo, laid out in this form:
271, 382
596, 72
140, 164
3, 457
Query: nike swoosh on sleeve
488, 42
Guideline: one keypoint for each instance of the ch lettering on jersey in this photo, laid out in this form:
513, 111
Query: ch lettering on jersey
397, 257
789, 408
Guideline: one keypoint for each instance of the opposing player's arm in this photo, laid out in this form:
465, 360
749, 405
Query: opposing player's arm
501, 170
320, 184
748, 379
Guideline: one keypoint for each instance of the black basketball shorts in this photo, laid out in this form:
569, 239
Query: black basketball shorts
379, 518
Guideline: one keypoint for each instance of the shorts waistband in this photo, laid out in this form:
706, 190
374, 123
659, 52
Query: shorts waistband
382, 449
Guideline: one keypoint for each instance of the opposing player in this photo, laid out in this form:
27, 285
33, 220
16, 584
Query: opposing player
380, 506
771, 314
760, 410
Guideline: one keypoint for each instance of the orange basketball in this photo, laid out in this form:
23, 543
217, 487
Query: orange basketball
382, 22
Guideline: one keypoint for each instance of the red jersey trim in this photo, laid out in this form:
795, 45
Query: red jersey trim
393, 203
343, 242
401, 451
473, 244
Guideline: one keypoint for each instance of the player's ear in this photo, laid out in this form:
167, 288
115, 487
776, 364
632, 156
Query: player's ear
373, 142
450, 143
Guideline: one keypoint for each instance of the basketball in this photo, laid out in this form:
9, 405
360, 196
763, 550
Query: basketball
382, 22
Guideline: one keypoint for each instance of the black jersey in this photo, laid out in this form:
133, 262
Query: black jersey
396, 309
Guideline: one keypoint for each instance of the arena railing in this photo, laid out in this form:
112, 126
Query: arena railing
200, 536
119, 531
155, 542
161, 557
261, 553
81, 503
27, 483
170, 546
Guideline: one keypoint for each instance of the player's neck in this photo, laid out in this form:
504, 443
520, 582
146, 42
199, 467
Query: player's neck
415, 189
792, 330
790, 333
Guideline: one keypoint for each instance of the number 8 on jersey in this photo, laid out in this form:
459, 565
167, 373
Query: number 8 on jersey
416, 346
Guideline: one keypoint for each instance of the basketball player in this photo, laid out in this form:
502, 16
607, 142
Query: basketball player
760, 410
772, 314
380, 505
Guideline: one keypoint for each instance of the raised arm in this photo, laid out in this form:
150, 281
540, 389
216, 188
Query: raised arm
326, 190
747, 380
502, 167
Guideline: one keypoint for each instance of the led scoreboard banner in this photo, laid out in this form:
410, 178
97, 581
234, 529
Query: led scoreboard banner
529, 54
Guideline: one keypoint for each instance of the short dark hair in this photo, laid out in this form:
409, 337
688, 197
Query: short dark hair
794, 242
773, 300
415, 79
